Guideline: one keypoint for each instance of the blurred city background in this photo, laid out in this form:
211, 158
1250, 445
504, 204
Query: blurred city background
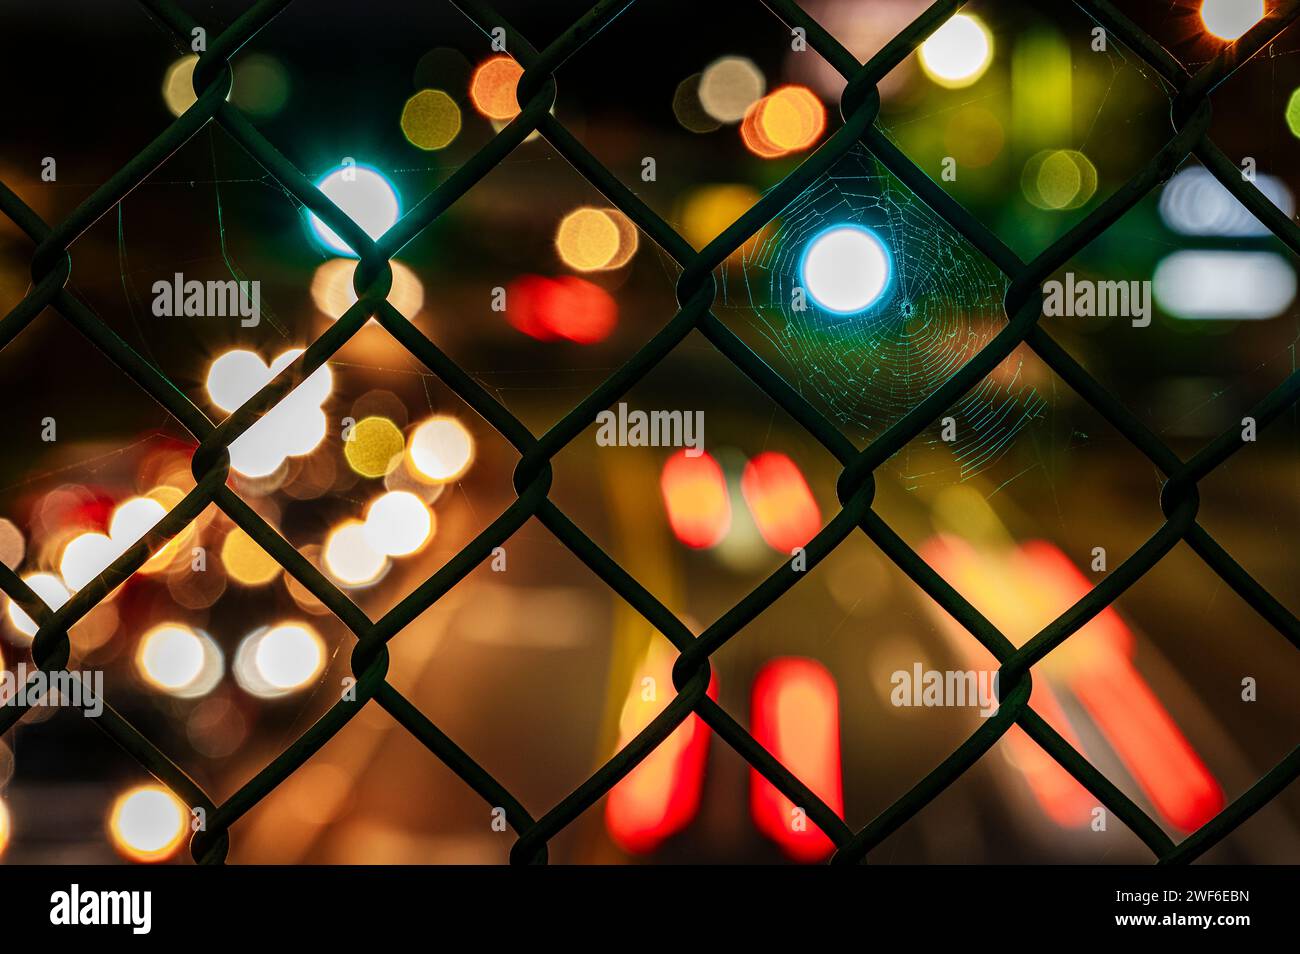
378, 473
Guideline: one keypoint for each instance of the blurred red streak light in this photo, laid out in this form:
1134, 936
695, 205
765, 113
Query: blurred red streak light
784, 510
796, 718
695, 495
565, 308
1118, 699
661, 796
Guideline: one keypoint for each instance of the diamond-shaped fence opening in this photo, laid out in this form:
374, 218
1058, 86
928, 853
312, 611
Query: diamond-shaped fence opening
696, 292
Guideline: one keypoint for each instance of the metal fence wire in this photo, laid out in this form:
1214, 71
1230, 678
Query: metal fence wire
696, 290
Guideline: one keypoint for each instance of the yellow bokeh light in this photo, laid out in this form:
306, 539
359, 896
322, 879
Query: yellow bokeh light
246, 561
958, 53
178, 84
148, 824
167, 497
710, 209
398, 523
333, 293
441, 449
1059, 180
431, 119
587, 239
492, 88
4, 826
349, 557
374, 447
729, 86
1231, 19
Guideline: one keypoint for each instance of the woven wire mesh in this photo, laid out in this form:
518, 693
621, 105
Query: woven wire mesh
696, 291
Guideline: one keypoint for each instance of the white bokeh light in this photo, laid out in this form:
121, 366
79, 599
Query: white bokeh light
171, 656
441, 448
148, 824
292, 428
365, 196
349, 557
397, 523
845, 269
958, 53
50, 589
289, 656
1230, 19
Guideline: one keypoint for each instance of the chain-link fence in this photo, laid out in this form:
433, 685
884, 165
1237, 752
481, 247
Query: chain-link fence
696, 290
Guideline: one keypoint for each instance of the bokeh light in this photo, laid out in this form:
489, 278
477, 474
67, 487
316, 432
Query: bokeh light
688, 109
696, 499
365, 196
493, 86
131, 520
53, 593
789, 119
333, 292
349, 557
567, 308
1293, 113
12, 544
86, 556
179, 660
246, 561
780, 501
1059, 180
590, 239
1216, 284
4, 826
1194, 202
958, 53
148, 824
795, 716
374, 446
1231, 19
292, 428
431, 120
289, 656
708, 211
587, 239
397, 523
729, 86
441, 449
845, 269
178, 84
261, 86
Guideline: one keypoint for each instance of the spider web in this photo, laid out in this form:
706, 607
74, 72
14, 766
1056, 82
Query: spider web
867, 370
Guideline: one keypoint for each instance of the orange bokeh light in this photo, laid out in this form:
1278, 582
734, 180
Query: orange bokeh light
492, 88
695, 495
783, 507
789, 119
